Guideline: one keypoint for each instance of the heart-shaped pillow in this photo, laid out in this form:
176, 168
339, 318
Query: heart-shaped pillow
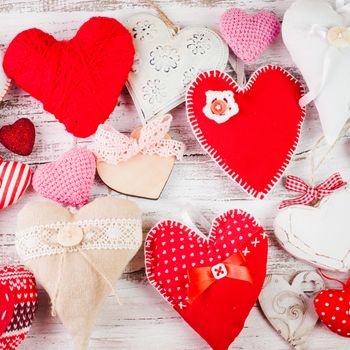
19, 137
332, 306
79, 80
167, 62
313, 27
15, 178
249, 35
78, 258
289, 306
251, 130
18, 302
5, 82
141, 164
318, 235
212, 282
69, 179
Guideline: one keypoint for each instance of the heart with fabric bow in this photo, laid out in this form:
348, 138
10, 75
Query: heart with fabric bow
321, 28
212, 282
141, 164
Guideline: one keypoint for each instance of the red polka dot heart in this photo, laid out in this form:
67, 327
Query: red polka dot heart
212, 282
333, 308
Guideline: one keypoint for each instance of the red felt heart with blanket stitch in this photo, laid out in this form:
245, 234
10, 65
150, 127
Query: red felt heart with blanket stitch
251, 132
79, 80
212, 282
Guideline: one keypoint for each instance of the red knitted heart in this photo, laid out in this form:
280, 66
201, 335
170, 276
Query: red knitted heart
255, 145
79, 80
333, 308
19, 137
18, 301
15, 178
173, 251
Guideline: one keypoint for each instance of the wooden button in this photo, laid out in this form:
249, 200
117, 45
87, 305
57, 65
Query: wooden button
339, 36
70, 236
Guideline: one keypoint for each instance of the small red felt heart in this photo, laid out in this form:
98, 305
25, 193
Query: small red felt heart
15, 178
18, 302
19, 137
78, 80
173, 249
333, 308
254, 134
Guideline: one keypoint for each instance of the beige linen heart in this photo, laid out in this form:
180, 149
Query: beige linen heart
79, 257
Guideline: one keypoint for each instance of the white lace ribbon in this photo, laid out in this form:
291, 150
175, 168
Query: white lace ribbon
114, 233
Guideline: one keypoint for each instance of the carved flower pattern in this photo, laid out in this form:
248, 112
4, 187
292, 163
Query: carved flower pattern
189, 75
199, 44
154, 91
144, 30
164, 58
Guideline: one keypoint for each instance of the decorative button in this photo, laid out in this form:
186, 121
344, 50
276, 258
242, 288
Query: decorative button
219, 271
218, 107
70, 236
339, 36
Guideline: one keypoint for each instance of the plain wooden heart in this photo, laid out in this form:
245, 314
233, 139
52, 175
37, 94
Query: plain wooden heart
141, 176
82, 290
319, 235
289, 307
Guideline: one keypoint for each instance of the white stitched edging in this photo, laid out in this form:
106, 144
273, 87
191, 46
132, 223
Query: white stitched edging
214, 153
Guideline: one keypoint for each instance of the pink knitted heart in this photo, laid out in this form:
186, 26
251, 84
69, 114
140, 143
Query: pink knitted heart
69, 179
248, 36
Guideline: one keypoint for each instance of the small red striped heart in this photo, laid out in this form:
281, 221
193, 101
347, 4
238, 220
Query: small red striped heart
15, 178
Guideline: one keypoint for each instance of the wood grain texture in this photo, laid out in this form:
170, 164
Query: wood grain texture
145, 321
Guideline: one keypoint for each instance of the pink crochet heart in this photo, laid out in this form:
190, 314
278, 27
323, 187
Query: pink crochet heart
248, 36
69, 179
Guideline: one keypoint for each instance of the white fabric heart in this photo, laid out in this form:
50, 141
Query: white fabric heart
4, 80
289, 307
317, 35
319, 235
167, 62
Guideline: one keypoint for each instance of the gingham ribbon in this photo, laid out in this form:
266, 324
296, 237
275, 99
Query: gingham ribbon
310, 193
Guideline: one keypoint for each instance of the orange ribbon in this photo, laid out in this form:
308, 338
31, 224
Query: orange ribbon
201, 278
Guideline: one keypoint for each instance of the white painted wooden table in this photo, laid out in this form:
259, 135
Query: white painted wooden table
145, 321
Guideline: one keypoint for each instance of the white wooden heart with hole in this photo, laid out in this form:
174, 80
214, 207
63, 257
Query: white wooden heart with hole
166, 63
318, 235
289, 306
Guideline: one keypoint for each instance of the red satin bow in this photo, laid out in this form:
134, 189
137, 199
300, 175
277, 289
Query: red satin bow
310, 193
201, 278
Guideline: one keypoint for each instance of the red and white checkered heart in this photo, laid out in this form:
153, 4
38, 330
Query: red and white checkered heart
218, 312
14, 180
333, 308
18, 301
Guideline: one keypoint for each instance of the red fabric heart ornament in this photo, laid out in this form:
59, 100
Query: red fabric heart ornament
212, 282
19, 137
15, 178
251, 132
18, 302
333, 308
79, 80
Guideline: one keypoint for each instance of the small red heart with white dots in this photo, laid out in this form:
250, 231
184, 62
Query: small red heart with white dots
333, 308
174, 250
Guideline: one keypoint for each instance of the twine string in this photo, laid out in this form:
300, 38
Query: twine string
169, 23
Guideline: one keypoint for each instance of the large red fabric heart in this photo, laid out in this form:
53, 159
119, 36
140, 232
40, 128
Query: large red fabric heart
333, 308
15, 178
79, 80
255, 145
173, 251
18, 301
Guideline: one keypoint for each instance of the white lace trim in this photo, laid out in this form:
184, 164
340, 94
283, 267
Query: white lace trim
42, 240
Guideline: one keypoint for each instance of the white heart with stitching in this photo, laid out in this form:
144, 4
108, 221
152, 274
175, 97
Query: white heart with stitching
166, 63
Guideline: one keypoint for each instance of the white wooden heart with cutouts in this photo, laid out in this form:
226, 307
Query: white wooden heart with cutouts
167, 62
